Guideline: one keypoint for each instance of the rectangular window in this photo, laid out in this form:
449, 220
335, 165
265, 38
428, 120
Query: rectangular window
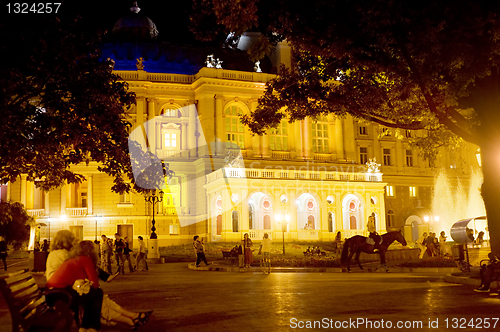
170, 140
386, 132
362, 130
389, 190
174, 229
408, 133
320, 135
235, 133
279, 137
363, 155
409, 158
387, 157
413, 191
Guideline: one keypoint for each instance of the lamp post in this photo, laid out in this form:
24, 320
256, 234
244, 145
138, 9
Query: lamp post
48, 222
153, 199
283, 223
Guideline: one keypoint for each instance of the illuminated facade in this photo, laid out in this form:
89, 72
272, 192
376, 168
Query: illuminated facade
311, 173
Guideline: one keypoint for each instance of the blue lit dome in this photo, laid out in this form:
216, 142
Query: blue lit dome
135, 26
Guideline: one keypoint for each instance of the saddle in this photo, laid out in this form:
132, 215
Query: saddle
371, 241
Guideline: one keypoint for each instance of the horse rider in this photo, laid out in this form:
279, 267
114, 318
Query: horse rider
373, 232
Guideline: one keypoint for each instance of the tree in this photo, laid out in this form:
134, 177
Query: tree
14, 223
61, 105
431, 65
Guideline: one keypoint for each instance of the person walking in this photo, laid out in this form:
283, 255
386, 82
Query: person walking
119, 246
3, 252
141, 255
247, 250
265, 251
199, 249
126, 254
422, 244
106, 253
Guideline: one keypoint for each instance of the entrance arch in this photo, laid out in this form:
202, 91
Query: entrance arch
352, 212
307, 212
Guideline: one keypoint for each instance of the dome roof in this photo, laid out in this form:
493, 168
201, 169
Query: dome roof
135, 26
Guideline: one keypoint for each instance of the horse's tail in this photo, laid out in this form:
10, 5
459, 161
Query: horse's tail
345, 251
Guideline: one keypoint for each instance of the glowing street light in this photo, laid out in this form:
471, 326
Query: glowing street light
284, 223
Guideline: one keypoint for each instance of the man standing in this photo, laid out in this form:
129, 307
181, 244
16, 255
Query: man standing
105, 254
141, 255
422, 244
119, 246
199, 249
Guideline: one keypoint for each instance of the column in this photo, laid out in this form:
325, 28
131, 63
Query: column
307, 139
64, 189
191, 127
90, 196
151, 126
206, 113
139, 110
24, 188
47, 204
264, 143
219, 119
339, 138
350, 141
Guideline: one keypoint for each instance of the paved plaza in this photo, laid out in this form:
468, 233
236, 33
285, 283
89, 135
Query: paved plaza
190, 300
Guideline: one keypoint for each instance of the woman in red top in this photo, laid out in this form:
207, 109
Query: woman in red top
83, 266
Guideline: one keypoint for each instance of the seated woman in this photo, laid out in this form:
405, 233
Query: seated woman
111, 312
83, 266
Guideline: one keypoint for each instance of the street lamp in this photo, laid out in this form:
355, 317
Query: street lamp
153, 199
48, 222
283, 223
431, 219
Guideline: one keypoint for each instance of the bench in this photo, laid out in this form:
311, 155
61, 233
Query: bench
28, 308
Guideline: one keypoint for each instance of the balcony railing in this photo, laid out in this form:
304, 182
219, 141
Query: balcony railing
292, 174
308, 234
36, 212
76, 212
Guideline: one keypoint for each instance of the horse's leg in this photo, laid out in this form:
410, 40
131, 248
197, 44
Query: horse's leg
349, 257
358, 253
382, 260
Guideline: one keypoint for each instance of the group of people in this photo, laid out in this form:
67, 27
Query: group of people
244, 252
428, 243
120, 247
313, 251
73, 267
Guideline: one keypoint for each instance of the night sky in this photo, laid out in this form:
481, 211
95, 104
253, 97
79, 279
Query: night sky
171, 17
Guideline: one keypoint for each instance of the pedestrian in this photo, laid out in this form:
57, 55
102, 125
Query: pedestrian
106, 253
422, 244
430, 245
141, 255
3, 252
199, 249
444, 248
119, 246
488, 273
247, 250
265, 251
337, 244
45, 246
126, 254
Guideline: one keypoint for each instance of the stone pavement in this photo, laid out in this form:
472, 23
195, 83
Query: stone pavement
187, 300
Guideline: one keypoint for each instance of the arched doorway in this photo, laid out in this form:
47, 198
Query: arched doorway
352, 213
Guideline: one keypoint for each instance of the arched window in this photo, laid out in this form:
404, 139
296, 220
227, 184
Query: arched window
267, 222
236, 221
234, 128
219, 225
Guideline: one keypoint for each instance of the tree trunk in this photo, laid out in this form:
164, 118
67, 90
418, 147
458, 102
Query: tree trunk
490, 191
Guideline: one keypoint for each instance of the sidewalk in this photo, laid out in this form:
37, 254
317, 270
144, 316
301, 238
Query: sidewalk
368, 268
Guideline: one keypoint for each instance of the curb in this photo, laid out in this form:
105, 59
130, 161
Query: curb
219, 268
